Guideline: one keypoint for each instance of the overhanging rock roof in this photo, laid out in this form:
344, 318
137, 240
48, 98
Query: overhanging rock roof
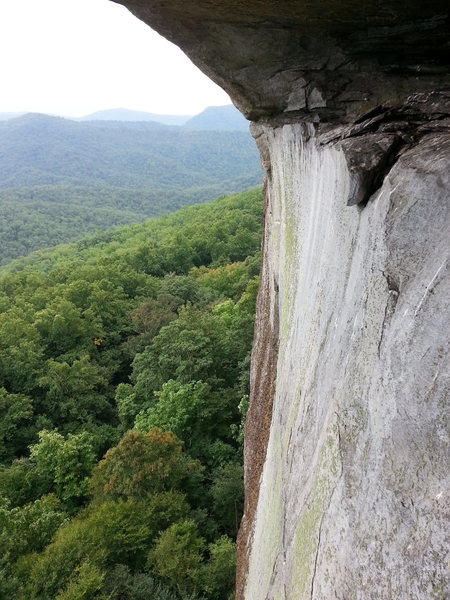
323, 59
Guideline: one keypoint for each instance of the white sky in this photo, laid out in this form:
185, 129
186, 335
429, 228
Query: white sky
73, 57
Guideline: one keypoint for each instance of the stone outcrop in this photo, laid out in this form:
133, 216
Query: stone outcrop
333, 59
346, 440
352, 496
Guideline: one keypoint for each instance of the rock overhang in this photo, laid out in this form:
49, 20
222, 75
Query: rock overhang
376, 75
323, 60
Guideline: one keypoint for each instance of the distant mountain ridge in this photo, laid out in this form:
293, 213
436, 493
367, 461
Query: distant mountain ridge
60, 179
213, 118
218, 118
124, 114
6, 116
39, 149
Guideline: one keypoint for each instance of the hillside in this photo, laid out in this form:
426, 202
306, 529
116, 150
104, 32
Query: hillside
60, 179
218, 118
5, 116
124, 114
134, 343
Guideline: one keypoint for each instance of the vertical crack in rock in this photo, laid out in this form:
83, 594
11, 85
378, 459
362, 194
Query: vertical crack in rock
431, 285
391, 303
317, 556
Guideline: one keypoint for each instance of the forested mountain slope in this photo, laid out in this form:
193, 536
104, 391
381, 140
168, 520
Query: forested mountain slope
124, 114
137, 341
223, 118
60, 179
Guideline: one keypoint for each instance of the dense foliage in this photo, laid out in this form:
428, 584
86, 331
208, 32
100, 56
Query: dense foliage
60, 179
123, 379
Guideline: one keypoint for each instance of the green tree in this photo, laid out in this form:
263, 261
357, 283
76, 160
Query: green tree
121, 584
102, 536
85, 583
21, 353
177, 556
195, 414
191, 348
71, 322
127, 406
65, 463
62, 327
228, 281
20, 482
218, 574
184, 409
181, 288
141, 464
16, 424
227, 495
149, 318
24, 530
29, 528
74, 392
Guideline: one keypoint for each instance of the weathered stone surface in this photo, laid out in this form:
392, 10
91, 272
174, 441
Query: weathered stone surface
329, 59
349, 358
265, 351
354, 492
368, 157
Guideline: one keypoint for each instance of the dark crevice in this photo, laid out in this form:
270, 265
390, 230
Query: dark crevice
391, 303
378, 110
383, 169
376, 140
316, 558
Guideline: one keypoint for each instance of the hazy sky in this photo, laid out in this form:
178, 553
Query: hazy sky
73, 57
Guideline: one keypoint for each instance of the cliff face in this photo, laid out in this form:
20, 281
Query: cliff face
346, 485
352, 494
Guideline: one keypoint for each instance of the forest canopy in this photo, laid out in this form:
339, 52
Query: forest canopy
124, 364
60, 179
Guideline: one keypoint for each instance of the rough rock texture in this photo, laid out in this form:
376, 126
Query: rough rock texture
346, 439
264, 360
328, 58
353, 494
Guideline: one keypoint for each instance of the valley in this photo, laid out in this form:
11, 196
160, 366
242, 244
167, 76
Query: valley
61, 179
